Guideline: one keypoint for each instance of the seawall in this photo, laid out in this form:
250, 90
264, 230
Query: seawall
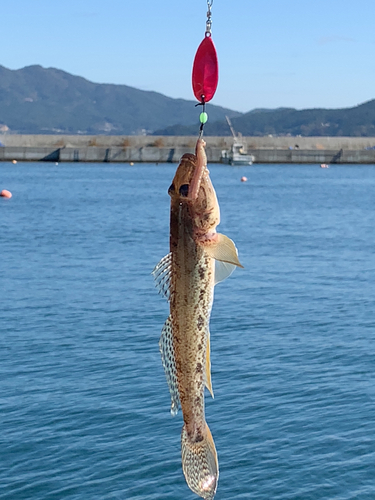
57, 148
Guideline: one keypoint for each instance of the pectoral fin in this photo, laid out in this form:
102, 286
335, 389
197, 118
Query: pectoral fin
224, 250
208, 365
223, 270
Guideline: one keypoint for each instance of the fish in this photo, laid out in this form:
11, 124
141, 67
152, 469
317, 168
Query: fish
199, 258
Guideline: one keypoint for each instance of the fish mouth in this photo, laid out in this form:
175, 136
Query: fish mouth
195, 184
200, 169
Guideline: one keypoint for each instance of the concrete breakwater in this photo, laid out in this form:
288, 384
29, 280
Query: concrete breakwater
170, 149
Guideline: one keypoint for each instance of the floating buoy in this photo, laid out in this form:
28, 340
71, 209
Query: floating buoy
5, 193
131, 163
14, 162
243, 179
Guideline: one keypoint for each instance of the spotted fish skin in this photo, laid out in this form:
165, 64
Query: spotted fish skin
191, 302
186, 277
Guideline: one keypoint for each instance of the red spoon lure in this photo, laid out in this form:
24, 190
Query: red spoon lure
205, 68
205, 71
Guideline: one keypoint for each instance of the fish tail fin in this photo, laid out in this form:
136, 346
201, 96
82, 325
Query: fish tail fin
199, 463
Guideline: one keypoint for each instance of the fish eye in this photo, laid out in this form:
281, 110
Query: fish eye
184, 189
171, 189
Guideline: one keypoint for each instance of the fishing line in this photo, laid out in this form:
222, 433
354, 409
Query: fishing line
205, 74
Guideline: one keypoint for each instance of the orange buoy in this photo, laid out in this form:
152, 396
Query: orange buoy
243, 179
5, 193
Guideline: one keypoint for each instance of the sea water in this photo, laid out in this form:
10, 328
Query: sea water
84, 405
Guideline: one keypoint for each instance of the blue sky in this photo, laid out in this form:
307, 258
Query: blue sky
272, 53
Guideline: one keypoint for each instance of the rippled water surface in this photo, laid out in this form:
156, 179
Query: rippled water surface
84, 406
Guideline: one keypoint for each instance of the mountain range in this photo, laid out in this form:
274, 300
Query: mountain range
37, 100
358, 121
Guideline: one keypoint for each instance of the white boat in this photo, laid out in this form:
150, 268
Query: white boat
237, 154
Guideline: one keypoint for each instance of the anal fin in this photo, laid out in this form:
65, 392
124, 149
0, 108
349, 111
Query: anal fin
208, 366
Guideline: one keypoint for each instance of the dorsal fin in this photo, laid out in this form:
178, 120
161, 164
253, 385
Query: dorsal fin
169, 364
162, 275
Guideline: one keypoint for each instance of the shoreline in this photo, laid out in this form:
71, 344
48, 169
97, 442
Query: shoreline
169, 149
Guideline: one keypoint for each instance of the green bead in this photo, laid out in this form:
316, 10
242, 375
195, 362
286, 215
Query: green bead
203, 117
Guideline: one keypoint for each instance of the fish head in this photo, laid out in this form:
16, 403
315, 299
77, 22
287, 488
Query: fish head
193, 194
